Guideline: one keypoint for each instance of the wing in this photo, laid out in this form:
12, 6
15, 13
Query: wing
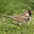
20, 18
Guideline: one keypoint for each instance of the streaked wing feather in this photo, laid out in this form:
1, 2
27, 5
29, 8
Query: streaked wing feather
20, 18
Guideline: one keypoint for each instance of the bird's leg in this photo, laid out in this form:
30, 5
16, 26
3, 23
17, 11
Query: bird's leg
20, 24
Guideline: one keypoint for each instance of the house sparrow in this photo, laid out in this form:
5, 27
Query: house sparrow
25, 17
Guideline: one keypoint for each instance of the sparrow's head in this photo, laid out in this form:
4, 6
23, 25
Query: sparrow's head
29, 11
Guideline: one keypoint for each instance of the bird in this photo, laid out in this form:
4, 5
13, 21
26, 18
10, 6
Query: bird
21, 18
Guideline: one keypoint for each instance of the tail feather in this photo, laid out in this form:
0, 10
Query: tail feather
6, 16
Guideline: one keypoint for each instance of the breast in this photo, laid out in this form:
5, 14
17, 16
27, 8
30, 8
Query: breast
28, 19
